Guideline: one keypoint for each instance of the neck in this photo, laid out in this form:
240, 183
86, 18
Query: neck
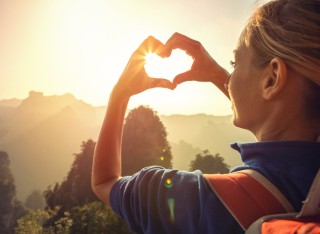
289, 135
288, 129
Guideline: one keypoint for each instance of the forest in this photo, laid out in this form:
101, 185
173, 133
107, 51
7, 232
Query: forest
70, 206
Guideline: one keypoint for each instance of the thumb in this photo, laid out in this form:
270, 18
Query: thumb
183, 77
163, 83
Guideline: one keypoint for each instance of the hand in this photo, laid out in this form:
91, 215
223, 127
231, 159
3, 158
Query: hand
204, 68
134, 78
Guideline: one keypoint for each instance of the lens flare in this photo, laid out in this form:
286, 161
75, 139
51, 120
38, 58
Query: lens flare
170, 203
168, 183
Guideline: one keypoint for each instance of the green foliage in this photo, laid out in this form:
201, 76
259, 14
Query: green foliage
144, 141
7, 193
144, 144
93, 218
78, 205
10, 208
34, 222
7, 186
96, 218
76, 189
207, 163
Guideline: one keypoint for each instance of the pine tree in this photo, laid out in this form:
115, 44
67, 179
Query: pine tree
10, 208
75, 205
75, 190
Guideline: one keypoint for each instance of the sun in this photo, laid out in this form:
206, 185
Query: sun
168, 68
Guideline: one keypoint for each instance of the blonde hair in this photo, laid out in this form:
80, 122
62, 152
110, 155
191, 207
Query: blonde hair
289, 29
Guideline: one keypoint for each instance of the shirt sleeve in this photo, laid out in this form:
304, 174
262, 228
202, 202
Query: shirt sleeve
159, 200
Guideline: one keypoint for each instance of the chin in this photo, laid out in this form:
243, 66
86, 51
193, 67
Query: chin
238, 123
234, 118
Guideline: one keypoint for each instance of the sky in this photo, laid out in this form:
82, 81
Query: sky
82, 46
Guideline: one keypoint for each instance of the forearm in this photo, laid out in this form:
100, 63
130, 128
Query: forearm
107, 156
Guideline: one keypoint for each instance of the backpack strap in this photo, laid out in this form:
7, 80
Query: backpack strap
287, 223
248, 195
311, 206
308, 218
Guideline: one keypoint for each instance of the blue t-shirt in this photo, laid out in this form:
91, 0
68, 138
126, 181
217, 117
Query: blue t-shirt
159, 200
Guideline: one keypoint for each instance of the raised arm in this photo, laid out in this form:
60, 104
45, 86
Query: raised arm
134, 79
107, 156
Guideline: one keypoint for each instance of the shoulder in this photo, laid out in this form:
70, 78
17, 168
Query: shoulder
165, 198
160, 179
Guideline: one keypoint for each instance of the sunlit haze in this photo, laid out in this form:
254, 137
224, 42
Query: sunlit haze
167, 68
81, 47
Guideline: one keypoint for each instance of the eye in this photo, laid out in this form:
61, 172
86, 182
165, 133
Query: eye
233, 64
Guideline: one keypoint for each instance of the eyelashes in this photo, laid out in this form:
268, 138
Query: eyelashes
233, 64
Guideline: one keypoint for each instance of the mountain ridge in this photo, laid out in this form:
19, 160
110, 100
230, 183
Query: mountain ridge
42, 134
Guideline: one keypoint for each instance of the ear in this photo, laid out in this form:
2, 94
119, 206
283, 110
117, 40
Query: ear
275, 78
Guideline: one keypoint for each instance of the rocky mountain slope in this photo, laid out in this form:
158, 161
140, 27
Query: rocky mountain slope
41, 134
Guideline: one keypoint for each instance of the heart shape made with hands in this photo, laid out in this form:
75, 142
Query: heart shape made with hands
168, 68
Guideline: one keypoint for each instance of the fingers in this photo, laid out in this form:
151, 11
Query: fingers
183, 77
180, 41
149, 45
161, 83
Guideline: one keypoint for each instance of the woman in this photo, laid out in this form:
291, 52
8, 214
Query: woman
275, 93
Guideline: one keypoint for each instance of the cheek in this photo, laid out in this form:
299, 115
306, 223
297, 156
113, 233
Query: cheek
242, 87
239, 93
234, 90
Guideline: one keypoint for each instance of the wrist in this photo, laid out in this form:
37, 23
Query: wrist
220, 77
220, 80
118, 97
120, 93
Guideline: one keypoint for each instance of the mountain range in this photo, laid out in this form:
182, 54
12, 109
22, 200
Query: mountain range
42, 133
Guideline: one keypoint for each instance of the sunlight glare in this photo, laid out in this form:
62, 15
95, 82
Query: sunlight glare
168, 68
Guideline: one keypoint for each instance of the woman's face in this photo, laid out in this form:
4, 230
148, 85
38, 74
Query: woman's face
245, 90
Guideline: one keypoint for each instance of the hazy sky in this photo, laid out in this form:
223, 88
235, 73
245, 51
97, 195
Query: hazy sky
81, 46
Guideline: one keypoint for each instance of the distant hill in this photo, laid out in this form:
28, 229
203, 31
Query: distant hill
8, 105
14, 102
199, 132
41, 134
